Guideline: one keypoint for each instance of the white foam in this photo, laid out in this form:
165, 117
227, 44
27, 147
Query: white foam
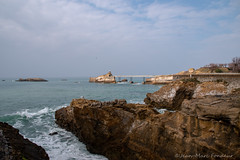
65, 145
18, 124
37, 125
136, 101
162, 111
29, 114
122, 82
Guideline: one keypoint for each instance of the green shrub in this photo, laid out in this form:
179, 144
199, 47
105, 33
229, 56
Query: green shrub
218, 70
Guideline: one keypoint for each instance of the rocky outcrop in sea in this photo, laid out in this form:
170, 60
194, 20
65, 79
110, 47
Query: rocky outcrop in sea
106, 78
14, 147
31, 80
202, 121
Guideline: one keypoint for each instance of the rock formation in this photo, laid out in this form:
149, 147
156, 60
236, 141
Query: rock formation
31, 80
205, 123
107, 78
123, 80
14, 146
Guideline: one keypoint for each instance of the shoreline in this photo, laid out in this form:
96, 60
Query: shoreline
166, 79
196, 114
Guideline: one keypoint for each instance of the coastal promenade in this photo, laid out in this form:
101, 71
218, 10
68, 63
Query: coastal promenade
134, 76
202, 77
165, 79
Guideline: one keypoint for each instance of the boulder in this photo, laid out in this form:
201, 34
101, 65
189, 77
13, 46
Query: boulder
124, 80
14, 146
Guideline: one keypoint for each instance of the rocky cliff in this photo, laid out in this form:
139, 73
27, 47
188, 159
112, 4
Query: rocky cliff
14, 147
203, 123
107, 78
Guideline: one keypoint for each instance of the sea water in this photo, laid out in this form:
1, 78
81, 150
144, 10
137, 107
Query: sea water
30, 107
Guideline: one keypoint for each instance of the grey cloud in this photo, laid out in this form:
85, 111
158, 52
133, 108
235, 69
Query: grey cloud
73, 38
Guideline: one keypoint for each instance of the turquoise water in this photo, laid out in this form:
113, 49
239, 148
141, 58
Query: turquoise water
30, 107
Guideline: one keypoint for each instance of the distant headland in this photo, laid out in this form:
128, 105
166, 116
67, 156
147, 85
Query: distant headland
202, 75
211, 72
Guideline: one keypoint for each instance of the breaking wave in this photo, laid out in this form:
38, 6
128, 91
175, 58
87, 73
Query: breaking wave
37, 126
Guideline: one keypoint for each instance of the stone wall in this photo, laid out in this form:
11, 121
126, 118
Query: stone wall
228, 77
203, 77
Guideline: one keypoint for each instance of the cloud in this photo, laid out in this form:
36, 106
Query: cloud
103, 31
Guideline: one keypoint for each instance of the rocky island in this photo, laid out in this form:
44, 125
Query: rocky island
107, 78
14, 146
202, 120
31, 80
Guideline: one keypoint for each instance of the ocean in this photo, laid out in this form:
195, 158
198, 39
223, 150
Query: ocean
30, 107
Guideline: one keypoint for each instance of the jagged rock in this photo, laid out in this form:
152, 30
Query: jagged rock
210, 89
13, 146
107, 78
172, 95
220, 108
32, 80
134, 131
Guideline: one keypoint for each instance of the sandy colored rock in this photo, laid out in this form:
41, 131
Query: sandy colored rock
107, 78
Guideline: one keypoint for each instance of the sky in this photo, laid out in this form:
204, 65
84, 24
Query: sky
78, 38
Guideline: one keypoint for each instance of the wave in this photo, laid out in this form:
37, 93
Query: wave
29, 114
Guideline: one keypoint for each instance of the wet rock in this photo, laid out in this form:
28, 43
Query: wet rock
53, 133
13, 146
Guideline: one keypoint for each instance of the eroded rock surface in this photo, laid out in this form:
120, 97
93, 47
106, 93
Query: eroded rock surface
133, 131
172, 95
14, 147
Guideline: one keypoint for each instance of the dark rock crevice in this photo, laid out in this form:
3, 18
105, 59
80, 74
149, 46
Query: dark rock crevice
14, 146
